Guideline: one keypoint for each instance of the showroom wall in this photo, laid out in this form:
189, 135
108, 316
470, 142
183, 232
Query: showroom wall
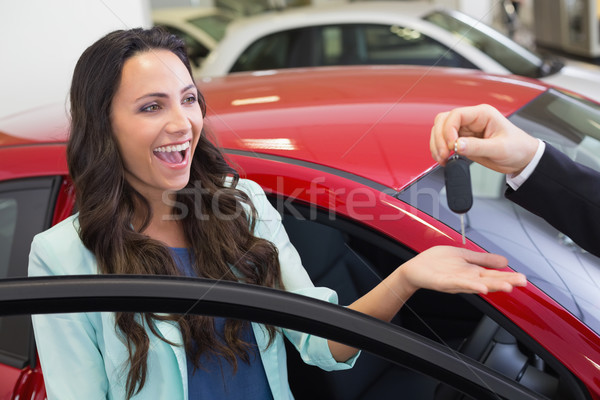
41, 40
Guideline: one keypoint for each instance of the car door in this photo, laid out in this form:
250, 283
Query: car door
351, 232
413, 354
27, 207
344, 255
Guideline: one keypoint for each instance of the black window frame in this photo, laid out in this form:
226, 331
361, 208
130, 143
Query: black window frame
180, 295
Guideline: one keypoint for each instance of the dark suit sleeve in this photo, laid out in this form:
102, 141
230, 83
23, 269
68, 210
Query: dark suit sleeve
567, 195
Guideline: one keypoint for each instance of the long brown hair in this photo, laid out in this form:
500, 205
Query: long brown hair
221, 239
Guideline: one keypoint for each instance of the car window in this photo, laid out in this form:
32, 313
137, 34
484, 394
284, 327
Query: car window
551, 260
214, 25
351, 259
346, 44
384, 44
25, 209
197, 51
504, 51
286, 49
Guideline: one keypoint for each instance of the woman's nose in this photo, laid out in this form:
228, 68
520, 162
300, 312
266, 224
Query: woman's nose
178, 122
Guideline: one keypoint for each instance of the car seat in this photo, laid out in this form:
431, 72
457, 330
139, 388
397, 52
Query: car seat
331, 262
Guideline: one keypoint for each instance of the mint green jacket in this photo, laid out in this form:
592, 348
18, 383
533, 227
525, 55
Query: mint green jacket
83, 355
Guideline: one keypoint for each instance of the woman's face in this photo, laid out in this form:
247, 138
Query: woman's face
157, 120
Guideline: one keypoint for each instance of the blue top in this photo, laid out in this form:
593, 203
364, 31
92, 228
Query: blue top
215, 379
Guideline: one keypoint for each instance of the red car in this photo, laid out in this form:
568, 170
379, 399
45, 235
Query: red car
343, 154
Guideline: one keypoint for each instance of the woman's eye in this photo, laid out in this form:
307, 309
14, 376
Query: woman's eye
190, 100
151, 108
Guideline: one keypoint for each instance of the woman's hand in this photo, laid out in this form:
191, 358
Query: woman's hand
486, 137
457, 270
446, 269
442, 268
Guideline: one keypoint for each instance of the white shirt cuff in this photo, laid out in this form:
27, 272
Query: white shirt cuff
515, 181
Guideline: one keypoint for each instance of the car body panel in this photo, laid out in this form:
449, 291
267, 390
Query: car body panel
9, 376
52, 157
574, 76
30, 385
9, 140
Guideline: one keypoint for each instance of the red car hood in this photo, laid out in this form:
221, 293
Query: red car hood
373, 122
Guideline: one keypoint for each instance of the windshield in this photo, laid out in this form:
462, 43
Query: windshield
512, 56
214, 25
551, 260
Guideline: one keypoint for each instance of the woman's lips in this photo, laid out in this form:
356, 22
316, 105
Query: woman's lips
173, 155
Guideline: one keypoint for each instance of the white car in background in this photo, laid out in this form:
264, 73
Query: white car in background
416, 33
200, 27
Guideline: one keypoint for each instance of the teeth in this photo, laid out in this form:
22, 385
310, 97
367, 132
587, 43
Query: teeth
168, 149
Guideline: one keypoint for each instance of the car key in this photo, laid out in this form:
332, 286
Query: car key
459, 194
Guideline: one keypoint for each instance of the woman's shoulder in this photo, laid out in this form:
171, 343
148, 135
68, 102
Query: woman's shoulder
249, 187
59, 251
64, 231
255, 192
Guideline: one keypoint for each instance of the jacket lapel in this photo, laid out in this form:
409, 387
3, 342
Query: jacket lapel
170, 331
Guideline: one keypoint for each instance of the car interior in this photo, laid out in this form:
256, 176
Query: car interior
351, 260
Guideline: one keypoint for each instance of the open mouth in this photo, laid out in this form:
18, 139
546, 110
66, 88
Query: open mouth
172, 154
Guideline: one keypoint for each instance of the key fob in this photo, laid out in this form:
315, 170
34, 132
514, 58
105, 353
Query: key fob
457, 178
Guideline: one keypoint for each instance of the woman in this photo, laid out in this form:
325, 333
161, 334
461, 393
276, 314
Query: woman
136, 148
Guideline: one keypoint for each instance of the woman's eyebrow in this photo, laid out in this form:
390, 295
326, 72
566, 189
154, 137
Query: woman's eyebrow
155, 94
161, 94
188, 87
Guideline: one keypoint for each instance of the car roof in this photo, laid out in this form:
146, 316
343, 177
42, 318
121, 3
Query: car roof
369, 121
182, 14
355, 11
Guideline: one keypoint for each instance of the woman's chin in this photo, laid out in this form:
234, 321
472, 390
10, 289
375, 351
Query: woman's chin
178, 185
